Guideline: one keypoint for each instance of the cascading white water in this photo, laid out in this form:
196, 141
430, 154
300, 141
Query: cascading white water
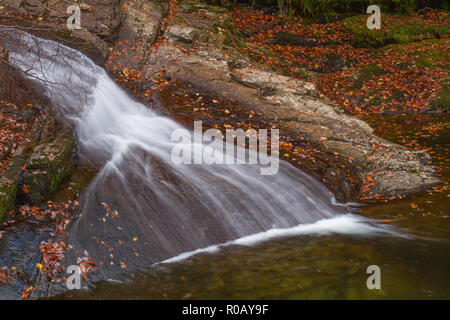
164, 210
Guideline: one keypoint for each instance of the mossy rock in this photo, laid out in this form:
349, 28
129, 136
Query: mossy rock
413, 30
9, 182
431, 58
366, 73
442, 100
363, 37
8, 189
49, 164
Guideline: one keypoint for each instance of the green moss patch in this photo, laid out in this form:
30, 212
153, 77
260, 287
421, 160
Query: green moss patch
442, 100
395, 29
367, 73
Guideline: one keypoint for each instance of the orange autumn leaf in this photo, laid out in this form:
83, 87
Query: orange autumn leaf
26, 189
26, 292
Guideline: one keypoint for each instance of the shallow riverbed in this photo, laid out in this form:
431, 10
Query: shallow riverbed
330, 266
297, 267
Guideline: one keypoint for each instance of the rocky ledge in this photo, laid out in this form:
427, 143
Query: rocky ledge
197, 51
193, 49
37, 153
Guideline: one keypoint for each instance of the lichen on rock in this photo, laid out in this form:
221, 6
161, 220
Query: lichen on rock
10, 181
49, 163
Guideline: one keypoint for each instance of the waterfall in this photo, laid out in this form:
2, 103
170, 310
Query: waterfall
161, 210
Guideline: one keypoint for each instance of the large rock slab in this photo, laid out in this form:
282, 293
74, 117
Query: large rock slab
368, 165
49, 164
197, 48
140, 26
100, 21
37, 168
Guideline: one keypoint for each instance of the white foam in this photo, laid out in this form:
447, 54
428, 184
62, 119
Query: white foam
345, 224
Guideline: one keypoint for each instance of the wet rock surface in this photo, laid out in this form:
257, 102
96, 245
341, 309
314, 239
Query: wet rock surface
100, 21
36, 152
50, 162
9, 182
191, 49
374, 165
37, 167
193, 56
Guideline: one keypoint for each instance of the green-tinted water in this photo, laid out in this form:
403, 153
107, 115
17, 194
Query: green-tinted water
332, 266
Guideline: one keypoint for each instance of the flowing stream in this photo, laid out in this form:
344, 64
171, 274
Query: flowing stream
163, 211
